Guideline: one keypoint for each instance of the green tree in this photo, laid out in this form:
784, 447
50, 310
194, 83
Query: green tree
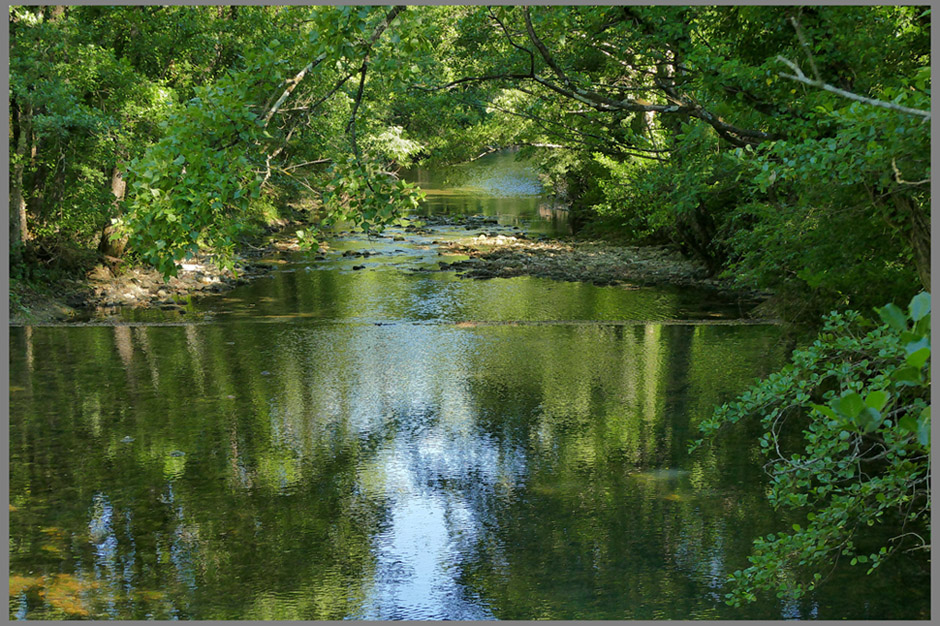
690, 125
679, 124
193, 188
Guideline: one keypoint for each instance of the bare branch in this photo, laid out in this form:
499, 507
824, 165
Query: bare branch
806, 48
491, 150
799, 76
898, 179
291, 85
306, 163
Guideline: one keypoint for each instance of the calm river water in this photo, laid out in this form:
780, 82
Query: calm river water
400, 443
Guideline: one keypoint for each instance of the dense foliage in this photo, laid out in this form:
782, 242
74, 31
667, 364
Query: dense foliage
159, 131
678, 124
848, 440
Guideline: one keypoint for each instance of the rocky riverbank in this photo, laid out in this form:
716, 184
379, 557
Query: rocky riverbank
104, 289
501, 255
493, 251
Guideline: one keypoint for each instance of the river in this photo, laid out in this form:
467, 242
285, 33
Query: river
397, 442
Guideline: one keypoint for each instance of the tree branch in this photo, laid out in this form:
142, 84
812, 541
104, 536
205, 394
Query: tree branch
806, 48
801, 77
600, 144
351, 126
514, 44
379, 29
291, 85
899, 180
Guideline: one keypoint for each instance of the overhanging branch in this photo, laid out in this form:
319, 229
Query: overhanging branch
799, 76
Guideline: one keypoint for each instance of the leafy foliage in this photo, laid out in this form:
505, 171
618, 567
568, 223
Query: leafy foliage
701, 142
848, 439
193, 186
672, 123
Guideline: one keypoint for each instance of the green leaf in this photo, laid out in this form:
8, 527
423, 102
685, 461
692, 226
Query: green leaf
868, 419
908, 375
913, 345
893, 316
920, 305
923, 428
918, 358
848, 405
908, 423
877, 399
824, 410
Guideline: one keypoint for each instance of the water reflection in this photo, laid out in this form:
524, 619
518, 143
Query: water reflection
383, 472
498, 185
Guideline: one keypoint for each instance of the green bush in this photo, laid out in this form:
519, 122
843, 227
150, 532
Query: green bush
848, 441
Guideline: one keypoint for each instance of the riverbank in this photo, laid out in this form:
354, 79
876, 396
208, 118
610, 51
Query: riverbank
104, 289
491, 251
581, 259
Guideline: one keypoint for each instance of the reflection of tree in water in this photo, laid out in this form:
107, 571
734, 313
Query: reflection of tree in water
166, 535
406, 470
592, 526
419, 453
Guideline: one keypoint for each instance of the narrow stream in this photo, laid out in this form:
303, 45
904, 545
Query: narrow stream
396, 442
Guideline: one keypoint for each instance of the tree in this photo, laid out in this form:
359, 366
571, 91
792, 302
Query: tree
82, 109
670, 124
676, 124
193, 188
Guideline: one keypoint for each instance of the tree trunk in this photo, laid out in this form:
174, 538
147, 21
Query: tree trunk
108, 246
918, 237
36, 206
19, 231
